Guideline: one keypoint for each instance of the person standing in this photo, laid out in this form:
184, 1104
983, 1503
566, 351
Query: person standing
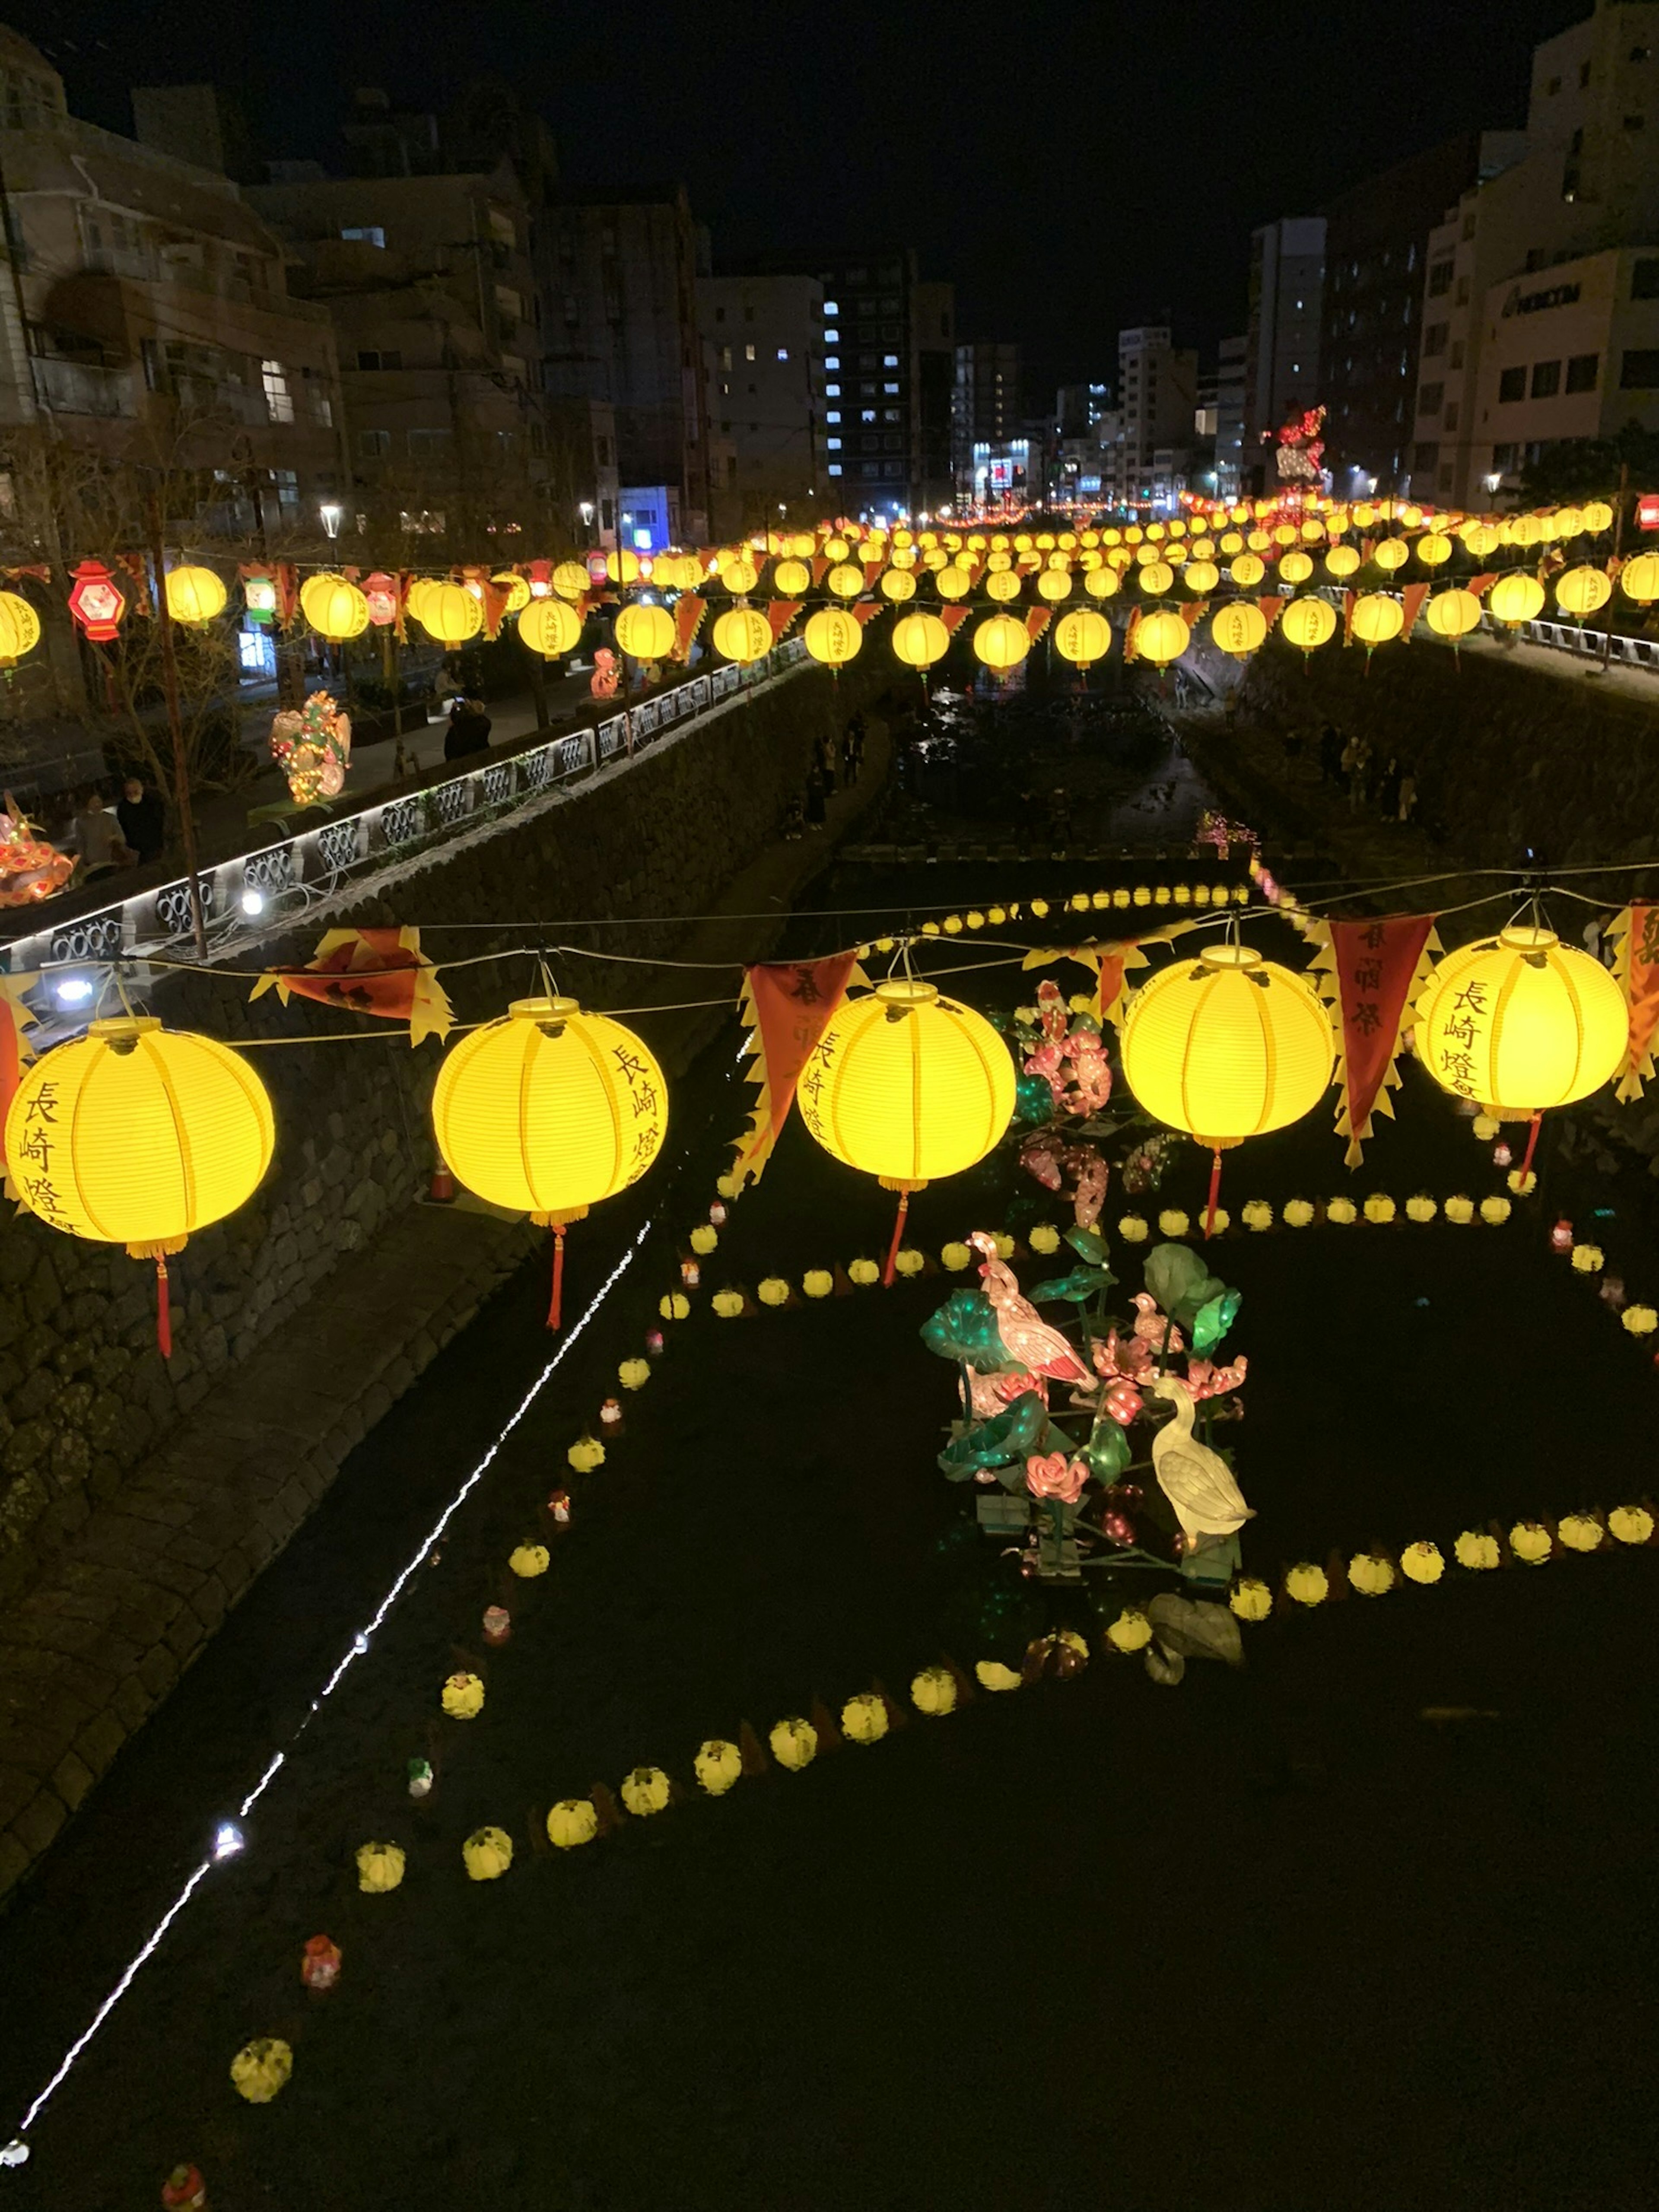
816, 791
469, 729
1330, 755
97, 837
142, 819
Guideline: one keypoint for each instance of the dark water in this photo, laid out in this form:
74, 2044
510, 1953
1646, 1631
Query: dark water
1266, 1939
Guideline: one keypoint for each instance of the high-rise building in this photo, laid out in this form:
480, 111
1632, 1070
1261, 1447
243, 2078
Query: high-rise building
1541, 314
1157, 399
984, 405
1376, 239
1077, 473
1230, 386
888, 353
1286, 293
763, 355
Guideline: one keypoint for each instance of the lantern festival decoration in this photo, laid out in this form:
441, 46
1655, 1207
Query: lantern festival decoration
1162, 637
1521, 1022
569, 579
1638, 579
260, 597
743, 634
137, 1135
1238, 629
334, 607
645, 632
517, 588
1453, 614
380, 598
1516, 598
548, 1111
620, 568
194, 596
908, 1085
1378, 619
790, 578
312, 745
20, 629
30, 869
550, 627
1000, 642
833, 636
919, 640
1083, 635
1582, 591
447, 612
97, 602
1227, 1047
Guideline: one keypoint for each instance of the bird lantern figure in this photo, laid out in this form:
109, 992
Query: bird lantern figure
1521, 1022
136, 1135
548, 1110
908, 1085
1227, 1047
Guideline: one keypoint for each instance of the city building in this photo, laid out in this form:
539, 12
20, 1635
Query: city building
1376, 242
984, 405
1157, 399
621, 327
889, 364
1538, 315
1076, 476
428, 281
763, 353
1286, 294
1230, 383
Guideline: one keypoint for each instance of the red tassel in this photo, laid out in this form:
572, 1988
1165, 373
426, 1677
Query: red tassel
1215, 1193
163, 1308
554, 1305
1531, 1146
898, 1231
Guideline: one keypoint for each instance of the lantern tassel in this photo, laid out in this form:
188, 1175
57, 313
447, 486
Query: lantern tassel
556, 1303
898, 1231
1215, 1193
163, 1308
1531, 1146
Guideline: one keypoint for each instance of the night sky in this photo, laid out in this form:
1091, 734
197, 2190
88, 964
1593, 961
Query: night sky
1071, 168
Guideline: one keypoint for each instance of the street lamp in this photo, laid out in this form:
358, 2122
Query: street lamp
332, 516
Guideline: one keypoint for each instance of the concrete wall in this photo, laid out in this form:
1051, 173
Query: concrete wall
84, 1395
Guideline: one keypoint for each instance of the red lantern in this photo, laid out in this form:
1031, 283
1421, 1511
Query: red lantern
184, 2190
1647, 511
1561, 1236
497, 1624
320, 1963
381, 593
610, 1414
559, 1506
97, 603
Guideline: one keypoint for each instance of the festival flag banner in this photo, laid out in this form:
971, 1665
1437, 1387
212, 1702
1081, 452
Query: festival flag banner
865, 611
369, 971
493, 598
1037, 621
688, 610
1371, 973
1348, 599
1130, 648
787, 1005
1412, 600
1482, 584
1111, 960
779, 613
1636, 933
952, 617
1271, 609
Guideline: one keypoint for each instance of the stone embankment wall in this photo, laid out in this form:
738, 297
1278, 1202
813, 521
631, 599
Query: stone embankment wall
84, 1395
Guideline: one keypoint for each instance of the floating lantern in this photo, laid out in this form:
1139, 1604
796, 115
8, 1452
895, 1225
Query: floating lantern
1227, 1047
908, 1086
548, 1110
137, 1135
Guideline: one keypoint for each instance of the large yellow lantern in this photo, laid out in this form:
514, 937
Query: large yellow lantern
1582, 591
1103, 583
569, 579
1082, 636
833, 636
517, 588
1433, 550
1295, 567
1638, 578
551, 627
897, 585
908, 1085
1053, 585
1453, 614
1392, 553
1239, 628
1247, 571
137, 1135
1342, 560
790, 578
20, 628
1226, 1047
447, 612
623, 566
548, 1110
743, 634
1001, 642
1596, 516
645, 632
1202, 575
1378, 619
1157, 578
845, 580
739, 575
194, 596
1516, 598
1481, 539
953, 582
1521, 1022
1162, 637
333, 606
919, 640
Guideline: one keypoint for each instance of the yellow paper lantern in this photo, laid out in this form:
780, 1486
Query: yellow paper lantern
569, 579
1516, 598
897, 585
1201, 577
845, 581
1082, 636
833, 637
743, 634
1481, 538
1247, 571
1378, 619
1392, 553
447, 612
1001, 642
1101, 583
195, 596
1453, 614
1238, 629
1342, 560
550, 627
334, 607
790, 578
1002, 587
1582, 590
1227, 1046
1162, 637
517, 588
739, 576
622, 568
548, 1109
645, 632
953, 582
1596, 516
20, 628
1521, 1022
1308, 625
1156, 577
1053, 585
919, 640
1639, 579
1433, 550
1295, 567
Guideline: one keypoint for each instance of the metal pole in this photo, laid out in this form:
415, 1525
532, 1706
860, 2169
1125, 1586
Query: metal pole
170, 684
1618, 543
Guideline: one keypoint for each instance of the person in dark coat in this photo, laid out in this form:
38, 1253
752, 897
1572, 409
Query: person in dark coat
142, 819
468, 731
816, 791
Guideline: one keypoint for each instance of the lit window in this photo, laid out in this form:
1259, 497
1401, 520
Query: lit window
832, 391
834, 445
749, 353
832, 337
832, 360
834, 468
831, 307
279, 400
834, 415
369, 234
867, 413
890, 361
891, 390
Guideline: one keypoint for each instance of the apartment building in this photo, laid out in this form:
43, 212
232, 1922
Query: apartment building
763, 351
1157, 401
1282, 349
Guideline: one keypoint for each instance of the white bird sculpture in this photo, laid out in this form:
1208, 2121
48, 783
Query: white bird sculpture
1197, 1482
